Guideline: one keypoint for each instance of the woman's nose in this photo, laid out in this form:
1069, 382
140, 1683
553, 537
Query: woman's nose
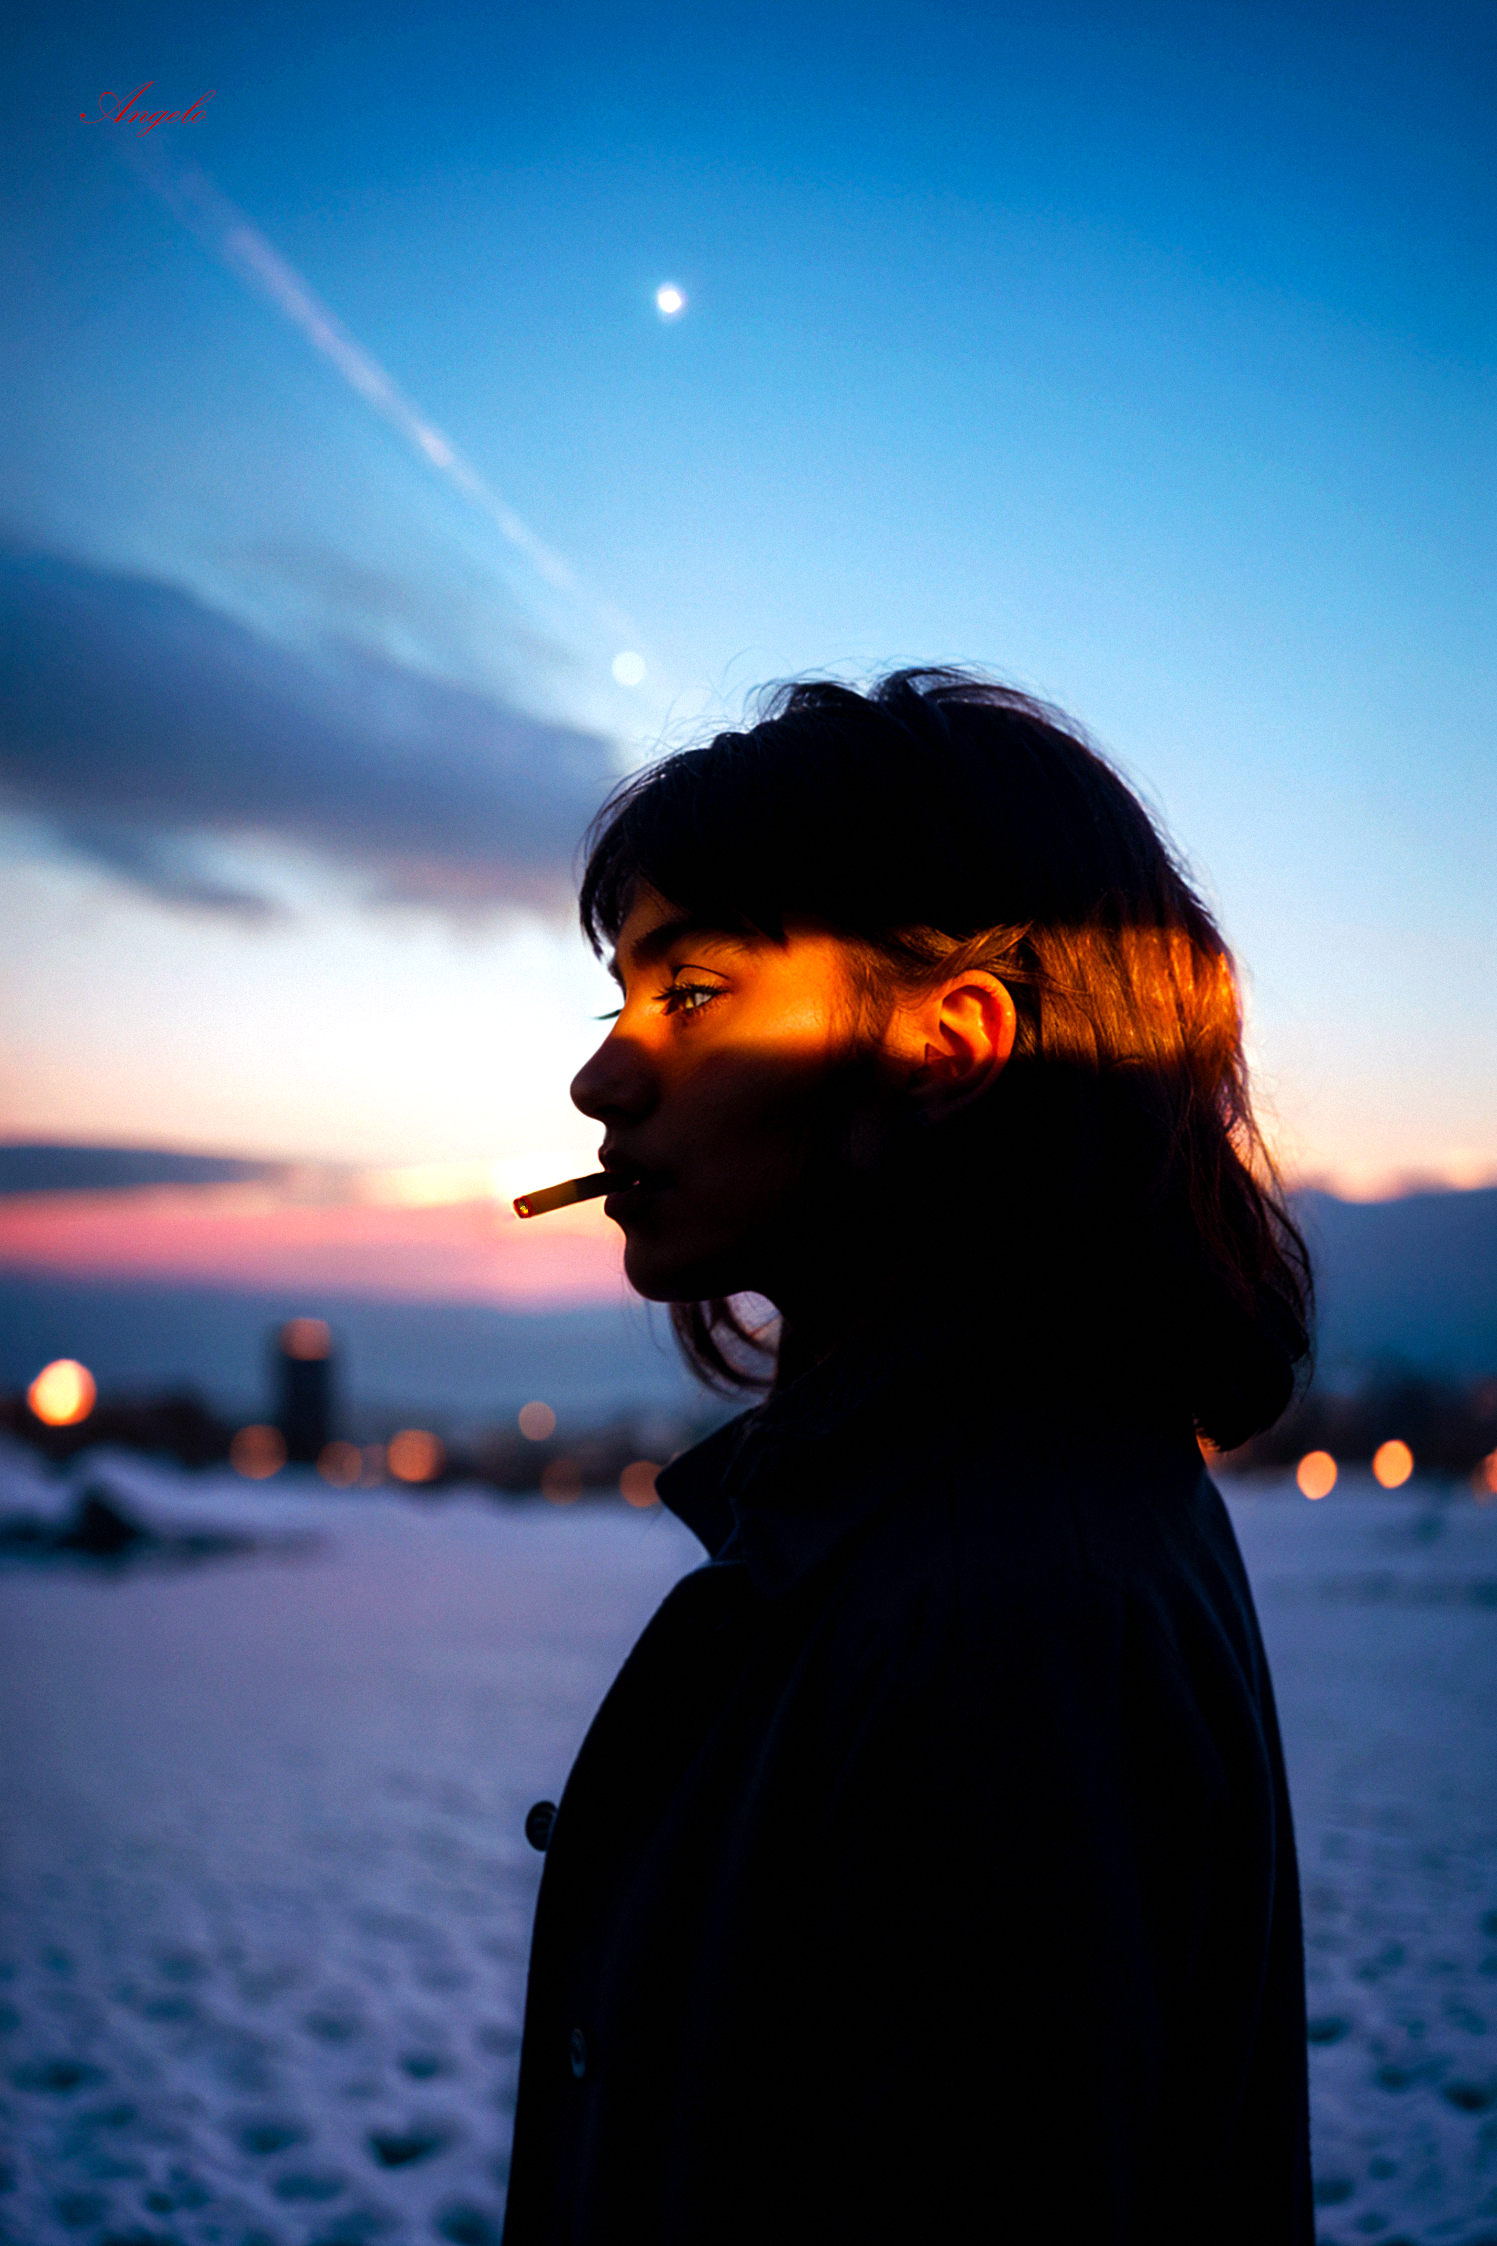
616, 1084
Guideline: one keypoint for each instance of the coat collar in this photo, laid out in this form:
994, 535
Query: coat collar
790, 1481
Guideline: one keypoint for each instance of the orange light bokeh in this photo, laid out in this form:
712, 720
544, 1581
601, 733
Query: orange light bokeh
62, 1393
416, 1455
561, 1481
258, 1452
1316, 1474
537, 1422
306, 1339
637, 1483
1484, 1480
341, 1464
1392, 1463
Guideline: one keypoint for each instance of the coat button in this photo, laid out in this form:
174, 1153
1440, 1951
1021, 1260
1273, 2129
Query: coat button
577, 2052
538, 1822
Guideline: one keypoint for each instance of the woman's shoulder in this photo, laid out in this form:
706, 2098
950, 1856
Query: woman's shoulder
1004, 1545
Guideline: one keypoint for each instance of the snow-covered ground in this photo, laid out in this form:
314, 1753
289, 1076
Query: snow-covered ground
266, 1893
1381, 1619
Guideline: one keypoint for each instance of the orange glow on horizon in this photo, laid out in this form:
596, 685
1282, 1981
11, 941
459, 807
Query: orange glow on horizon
1392, 1463
455, 1252
258, 1452
62, 1393
416, 1455
1316, 1474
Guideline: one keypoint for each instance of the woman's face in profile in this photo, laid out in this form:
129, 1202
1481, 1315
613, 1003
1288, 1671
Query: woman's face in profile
725, 1065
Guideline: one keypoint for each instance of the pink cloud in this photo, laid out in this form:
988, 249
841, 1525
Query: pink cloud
250, 1235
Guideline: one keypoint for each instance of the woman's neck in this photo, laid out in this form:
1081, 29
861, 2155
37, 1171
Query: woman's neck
852, 1301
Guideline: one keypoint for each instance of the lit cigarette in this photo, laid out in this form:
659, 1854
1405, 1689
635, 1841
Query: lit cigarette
571, 1189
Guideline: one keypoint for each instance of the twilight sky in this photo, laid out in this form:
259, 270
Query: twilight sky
1140, 353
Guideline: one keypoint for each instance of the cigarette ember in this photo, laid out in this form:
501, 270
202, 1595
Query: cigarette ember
549, 1197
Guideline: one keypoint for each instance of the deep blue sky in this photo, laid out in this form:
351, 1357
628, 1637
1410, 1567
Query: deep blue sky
1142, 354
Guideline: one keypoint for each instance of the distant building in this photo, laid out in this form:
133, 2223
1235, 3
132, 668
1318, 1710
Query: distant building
303, 1351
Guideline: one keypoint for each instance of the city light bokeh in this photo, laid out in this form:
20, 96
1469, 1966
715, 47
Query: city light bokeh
415, 1454
341, 1464
561, 1481
63, 1393
306, 1339
1392, 1464
258, 1451
536, 1422
1316, 1474
637, 1483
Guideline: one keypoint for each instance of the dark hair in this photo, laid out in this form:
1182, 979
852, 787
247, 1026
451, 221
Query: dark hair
1113, 1182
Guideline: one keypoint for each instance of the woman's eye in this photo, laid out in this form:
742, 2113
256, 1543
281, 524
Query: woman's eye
688, 998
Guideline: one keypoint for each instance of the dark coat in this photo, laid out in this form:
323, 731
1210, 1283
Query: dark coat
927, 1873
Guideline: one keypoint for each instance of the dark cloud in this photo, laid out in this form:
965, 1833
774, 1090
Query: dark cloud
41, 1166
144, 728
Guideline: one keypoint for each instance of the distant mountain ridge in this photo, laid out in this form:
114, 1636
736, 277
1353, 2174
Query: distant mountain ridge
1412, 1281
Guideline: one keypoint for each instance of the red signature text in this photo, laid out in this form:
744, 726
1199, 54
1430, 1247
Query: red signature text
128, 113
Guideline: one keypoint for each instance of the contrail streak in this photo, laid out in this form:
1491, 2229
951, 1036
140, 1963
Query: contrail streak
192, 197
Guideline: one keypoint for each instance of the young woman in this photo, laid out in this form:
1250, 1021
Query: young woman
927, 1874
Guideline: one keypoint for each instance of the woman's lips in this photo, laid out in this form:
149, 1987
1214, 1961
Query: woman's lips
634, 1189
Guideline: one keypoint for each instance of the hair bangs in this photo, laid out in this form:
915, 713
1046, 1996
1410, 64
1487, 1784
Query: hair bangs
697, 831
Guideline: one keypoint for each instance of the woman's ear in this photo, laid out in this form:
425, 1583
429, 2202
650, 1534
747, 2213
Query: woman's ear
959, 1037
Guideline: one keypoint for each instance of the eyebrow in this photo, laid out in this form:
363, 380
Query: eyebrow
656, 942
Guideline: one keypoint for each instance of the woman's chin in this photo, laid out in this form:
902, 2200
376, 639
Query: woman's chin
653, 1271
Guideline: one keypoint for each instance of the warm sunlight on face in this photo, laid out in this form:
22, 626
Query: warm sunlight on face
707, 1084
733, 1082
